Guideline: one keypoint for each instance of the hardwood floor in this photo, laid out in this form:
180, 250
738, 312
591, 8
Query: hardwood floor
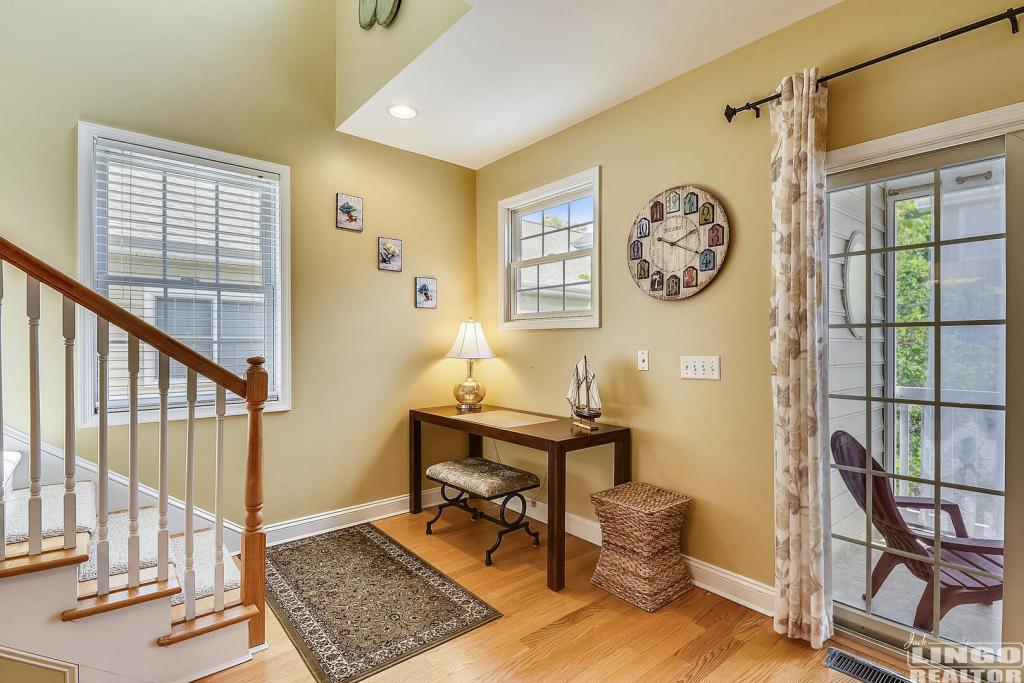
580, 634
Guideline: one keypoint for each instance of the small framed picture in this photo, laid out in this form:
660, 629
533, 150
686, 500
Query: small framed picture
426, 292
350, 212
389, 254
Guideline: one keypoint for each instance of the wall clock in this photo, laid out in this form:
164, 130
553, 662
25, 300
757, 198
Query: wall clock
678, 243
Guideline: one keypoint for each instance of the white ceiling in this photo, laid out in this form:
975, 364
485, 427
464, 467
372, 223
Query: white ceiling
512, 72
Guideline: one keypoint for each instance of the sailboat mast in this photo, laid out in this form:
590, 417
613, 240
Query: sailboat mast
586, 375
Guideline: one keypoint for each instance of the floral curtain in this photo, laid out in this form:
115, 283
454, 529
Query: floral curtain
798, 329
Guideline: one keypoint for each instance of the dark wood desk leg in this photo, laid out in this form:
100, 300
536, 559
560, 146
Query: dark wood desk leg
415, 466
556, 517
476, 446
623, 460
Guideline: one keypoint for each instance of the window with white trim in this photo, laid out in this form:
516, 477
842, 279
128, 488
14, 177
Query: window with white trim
550, 265
191, 241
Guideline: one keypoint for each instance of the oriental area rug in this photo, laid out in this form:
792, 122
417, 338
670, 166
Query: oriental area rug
354, 602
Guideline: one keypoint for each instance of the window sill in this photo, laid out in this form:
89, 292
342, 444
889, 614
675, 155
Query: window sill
575, 322
148, 415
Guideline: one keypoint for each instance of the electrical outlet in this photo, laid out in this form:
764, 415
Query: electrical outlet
641, 360
700, 367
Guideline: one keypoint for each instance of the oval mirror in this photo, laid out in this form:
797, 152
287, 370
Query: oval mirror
854, 274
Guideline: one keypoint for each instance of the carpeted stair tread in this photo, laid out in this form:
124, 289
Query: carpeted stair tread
11, 460
53, 511
117, 537
204, 556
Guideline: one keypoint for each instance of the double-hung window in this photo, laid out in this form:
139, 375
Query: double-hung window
549, 249
194, 242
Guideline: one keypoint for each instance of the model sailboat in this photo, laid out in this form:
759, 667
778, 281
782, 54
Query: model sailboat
584, 397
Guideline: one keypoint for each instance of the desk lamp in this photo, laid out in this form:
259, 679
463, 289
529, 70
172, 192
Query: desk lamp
470, 345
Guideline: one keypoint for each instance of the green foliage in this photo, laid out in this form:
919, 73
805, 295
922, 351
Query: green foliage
968, 362
913, 304
554, 221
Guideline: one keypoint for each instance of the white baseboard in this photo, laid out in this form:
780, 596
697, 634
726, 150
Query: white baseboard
722, 582
729, 585
302, 527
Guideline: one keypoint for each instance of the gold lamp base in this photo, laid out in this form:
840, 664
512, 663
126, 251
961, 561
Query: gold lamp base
469, 393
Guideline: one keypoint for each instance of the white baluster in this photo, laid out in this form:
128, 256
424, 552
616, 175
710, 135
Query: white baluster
163, 554
133, 462
190, 571
218, 591
35, 501
103, 544
70, 508
3, 504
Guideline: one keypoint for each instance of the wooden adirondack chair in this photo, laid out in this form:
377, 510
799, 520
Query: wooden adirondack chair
956, 587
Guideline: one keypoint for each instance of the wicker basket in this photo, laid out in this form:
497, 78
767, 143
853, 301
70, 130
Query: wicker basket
640, 557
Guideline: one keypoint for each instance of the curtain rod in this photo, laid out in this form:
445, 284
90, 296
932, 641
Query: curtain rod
1009, 15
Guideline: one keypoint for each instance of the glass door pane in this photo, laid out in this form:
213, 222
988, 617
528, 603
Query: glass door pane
917, 383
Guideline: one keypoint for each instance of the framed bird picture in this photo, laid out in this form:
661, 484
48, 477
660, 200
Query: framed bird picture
678, 243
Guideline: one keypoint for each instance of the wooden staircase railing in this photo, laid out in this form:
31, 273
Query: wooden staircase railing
253, 388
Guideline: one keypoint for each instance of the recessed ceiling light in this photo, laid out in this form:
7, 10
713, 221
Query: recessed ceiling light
403, 111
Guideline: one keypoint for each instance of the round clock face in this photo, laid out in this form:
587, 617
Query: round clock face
678, 243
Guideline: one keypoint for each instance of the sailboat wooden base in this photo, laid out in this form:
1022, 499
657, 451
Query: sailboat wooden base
589, 425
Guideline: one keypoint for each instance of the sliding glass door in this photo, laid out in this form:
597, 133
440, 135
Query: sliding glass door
917, 395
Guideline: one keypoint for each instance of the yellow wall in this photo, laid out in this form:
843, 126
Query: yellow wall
366, 59
257, 79
713, 440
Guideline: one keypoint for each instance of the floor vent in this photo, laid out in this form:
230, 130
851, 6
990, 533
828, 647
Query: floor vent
860, 669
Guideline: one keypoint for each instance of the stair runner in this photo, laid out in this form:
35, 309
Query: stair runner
11, 460
117, 535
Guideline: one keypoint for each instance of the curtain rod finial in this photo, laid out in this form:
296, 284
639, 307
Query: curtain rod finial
729, 113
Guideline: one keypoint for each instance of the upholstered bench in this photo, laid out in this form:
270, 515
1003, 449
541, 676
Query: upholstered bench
487, 480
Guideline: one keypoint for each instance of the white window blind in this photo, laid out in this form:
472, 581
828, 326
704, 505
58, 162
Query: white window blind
193, 247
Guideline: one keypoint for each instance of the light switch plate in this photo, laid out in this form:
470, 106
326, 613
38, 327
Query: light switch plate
641, 360
700, 367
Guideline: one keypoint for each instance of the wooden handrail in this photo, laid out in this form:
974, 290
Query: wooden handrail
111, 312
253, 388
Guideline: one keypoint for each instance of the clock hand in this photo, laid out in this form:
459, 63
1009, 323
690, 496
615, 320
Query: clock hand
692, 251
684, 237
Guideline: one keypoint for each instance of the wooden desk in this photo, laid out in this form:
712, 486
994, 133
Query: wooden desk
557, 437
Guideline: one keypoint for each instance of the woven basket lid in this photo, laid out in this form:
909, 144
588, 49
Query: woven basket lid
640, 497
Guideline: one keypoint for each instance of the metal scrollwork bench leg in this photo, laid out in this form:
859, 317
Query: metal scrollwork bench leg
460, 501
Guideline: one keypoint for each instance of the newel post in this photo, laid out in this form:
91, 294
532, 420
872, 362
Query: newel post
254, 541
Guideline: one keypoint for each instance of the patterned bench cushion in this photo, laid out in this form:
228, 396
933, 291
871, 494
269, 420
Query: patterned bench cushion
482, 477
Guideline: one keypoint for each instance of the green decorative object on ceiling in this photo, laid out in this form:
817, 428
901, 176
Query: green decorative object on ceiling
367, 13
386, 11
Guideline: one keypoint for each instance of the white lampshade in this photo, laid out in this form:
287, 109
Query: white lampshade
470, 344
